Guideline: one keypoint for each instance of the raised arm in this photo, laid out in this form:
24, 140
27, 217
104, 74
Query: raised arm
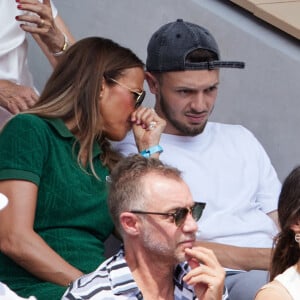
50, 32
147, 128
19, 241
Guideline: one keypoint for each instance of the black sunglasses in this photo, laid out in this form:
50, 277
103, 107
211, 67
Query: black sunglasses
139, 96
180, 214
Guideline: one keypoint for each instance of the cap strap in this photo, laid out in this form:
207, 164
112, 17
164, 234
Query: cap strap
215, 64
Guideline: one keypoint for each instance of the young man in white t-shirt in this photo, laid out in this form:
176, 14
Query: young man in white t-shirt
224, 165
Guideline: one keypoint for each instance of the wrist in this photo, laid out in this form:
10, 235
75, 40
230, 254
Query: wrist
64, 48
151, 150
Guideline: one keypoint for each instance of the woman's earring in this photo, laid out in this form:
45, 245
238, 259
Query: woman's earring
297, 238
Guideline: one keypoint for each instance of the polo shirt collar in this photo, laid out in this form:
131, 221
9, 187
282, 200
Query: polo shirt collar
61, 128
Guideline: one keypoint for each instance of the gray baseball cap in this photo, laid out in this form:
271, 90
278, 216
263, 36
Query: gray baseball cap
173, 42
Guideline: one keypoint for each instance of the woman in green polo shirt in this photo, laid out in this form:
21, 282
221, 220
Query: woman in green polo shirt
54, 161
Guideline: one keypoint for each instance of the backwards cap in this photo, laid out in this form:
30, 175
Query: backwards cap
170, 45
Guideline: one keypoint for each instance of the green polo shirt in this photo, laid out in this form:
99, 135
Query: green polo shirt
72, 214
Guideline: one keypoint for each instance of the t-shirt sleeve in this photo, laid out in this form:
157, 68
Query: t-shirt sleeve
269, 185
23, 148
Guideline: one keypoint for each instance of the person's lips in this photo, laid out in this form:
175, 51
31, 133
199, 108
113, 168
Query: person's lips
196, 118
187, 243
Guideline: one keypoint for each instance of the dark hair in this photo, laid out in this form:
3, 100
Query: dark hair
72, 92
126, 183
287, 251
201, 55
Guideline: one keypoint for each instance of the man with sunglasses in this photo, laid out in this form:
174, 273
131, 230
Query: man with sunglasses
223, 164
153, 210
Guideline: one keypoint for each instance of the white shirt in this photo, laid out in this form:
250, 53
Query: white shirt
227, 168
13, 45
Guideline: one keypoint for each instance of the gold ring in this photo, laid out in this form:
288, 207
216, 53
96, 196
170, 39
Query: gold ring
42, 22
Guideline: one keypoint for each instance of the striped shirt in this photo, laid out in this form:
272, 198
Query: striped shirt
113, 280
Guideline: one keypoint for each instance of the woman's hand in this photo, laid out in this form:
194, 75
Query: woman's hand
147, 127
37, 19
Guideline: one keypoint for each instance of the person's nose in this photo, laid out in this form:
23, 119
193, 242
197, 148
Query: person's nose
190, 225
198, 103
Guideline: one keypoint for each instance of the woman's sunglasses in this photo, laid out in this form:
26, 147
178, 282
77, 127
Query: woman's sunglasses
139, 96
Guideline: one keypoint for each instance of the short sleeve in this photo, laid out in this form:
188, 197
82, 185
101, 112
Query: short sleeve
269, 185
23, 148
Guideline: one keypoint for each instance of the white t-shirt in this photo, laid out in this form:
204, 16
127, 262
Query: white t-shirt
13, 45
227, 168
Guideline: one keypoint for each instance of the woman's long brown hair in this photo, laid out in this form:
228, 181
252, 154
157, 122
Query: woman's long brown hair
72, 92
287, 250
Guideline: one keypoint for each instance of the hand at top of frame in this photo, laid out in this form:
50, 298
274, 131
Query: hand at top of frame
37, 18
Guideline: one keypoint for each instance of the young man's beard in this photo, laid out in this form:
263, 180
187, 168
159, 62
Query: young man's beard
182, 128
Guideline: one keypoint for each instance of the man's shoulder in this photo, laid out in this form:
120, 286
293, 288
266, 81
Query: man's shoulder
112, 277
86, 286
221, 127
228, 131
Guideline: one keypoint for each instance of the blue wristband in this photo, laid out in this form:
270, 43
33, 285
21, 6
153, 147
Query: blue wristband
148, 152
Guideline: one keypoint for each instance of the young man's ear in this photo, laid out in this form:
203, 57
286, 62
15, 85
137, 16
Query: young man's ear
130, 223
152, 83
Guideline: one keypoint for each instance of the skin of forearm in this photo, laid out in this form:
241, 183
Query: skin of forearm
240, 258
55, 42
32, 253
3, 85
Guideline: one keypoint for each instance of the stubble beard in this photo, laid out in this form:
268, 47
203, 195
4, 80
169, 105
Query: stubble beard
181, 127
163, 250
